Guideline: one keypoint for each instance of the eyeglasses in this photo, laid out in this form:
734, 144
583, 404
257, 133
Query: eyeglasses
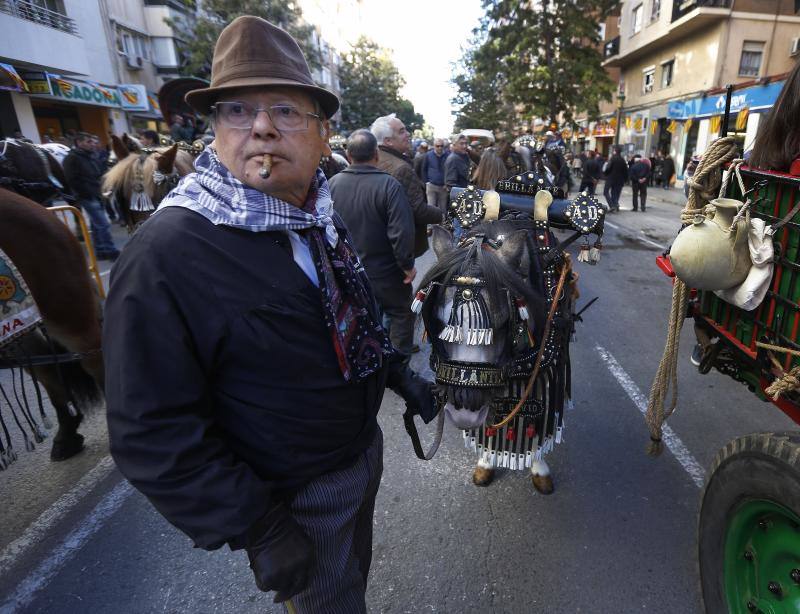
241, 115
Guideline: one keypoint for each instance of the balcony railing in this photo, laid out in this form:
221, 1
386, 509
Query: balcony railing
38, 14
611, 48
684, 7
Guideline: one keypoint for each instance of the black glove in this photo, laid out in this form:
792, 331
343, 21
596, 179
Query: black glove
416, 391
281, 554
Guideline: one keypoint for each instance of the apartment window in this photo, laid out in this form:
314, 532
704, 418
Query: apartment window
750, 64
648, 80
636, 19
132, 45
655, 10
667, 69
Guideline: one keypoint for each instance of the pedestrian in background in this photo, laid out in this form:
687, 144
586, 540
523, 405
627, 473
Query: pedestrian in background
394, 145
616, 173
491, 169
592, 173
640, 175
688, 173
433, 176
419, 157
149, 138
456, 167
84, 174
375, 209
668, 172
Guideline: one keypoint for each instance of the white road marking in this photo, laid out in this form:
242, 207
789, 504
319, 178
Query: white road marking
671, 440
39, 527
642, 239
38, 579
104, 273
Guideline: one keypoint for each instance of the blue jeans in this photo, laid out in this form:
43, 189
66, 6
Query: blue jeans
101, 227
611, 191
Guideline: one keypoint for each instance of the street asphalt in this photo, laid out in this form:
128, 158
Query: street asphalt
617, 536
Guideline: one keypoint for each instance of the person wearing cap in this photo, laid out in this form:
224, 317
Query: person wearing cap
245, 356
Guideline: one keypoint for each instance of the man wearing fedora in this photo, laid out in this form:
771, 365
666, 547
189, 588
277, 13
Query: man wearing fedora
245, 357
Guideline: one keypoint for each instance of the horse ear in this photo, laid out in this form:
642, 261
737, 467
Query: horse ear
442, 241
512, 248
132, 145
166, 159
120, 150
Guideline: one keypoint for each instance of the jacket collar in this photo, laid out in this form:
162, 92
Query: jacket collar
361, 169
393, 152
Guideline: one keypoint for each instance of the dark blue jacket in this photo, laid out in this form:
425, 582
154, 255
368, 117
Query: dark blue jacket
375, 209
223, 389
433, 168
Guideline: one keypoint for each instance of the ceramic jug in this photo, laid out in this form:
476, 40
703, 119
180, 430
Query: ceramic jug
707, 255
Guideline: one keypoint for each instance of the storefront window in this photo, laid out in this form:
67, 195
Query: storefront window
750, 63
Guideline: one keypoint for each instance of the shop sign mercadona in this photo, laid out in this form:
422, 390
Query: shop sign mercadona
84, 92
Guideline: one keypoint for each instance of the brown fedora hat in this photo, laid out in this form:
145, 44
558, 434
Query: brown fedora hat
252, 52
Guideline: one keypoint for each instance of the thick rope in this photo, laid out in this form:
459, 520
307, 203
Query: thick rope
788, 382
704, 187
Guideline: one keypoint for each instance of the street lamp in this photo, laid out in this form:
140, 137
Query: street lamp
620, 102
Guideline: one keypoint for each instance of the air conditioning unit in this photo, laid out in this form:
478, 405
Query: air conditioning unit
135, 62
795, 46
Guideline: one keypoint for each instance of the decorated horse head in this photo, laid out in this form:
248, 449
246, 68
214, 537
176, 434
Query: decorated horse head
32, 171
498, 308
142, 177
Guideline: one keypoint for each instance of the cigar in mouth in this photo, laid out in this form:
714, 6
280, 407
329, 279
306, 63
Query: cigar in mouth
266, 167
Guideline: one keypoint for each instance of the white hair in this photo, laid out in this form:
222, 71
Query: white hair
382, 128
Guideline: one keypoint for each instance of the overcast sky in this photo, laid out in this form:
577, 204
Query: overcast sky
426, 36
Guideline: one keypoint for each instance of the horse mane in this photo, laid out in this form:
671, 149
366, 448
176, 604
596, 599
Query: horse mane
476, 261
122, 175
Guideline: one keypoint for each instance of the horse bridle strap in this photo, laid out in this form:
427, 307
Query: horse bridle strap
469, 374
411, 429
529, 386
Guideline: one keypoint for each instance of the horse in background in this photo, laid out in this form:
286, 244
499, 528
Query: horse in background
141, 178
32, 171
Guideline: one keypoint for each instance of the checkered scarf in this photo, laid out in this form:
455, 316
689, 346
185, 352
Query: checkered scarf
359, 339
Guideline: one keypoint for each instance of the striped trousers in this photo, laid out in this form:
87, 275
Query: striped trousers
336, 510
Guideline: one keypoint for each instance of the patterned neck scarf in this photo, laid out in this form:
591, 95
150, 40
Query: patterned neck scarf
359, 339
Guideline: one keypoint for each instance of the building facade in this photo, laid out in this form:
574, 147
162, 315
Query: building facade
675, 59
83, 65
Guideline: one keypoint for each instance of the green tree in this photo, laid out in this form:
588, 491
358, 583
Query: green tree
480, 95
370, 87
542, 57
196, 38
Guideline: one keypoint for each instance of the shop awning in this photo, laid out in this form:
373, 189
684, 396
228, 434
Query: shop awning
10, 79
754, 98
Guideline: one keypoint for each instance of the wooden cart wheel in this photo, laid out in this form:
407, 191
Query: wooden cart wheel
749, 527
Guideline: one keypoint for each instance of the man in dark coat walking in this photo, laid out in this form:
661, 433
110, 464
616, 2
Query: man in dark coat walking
616, 173
640, 176
394, 143
592, 173
374, 207
244, 353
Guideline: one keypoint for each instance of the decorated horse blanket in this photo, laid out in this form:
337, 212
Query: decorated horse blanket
18, 311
